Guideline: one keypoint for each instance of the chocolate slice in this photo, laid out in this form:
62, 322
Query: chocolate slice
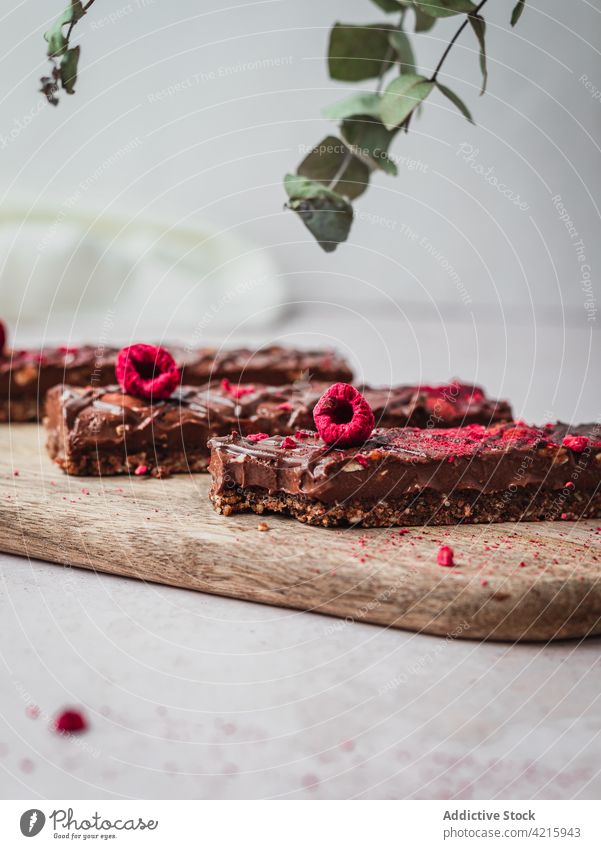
104, 431
508, 472
26, 376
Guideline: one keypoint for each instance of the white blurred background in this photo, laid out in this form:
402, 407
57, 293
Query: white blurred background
169, 160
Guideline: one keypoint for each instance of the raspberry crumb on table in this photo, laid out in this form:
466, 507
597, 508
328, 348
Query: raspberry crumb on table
445, 556
70, 721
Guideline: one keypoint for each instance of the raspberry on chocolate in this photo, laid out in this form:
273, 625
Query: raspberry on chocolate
576, 443
147, 371
257, 437
288, 442
445, 556
343, 417
236, 391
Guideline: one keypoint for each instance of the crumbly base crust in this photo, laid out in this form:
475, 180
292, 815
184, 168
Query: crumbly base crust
426, 508
100, 465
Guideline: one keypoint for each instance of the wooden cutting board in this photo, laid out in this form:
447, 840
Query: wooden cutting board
537, 581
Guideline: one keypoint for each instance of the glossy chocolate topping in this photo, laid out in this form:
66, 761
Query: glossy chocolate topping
398, 461
92, 416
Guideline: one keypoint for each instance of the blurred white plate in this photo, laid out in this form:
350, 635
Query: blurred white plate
151, 277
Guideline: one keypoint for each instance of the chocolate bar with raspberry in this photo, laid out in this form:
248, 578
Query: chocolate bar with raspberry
408, 476
26, 376
106, 431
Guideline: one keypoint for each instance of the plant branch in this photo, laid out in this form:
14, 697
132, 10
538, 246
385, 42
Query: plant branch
348, 156
385, 62
85, 8
454, 39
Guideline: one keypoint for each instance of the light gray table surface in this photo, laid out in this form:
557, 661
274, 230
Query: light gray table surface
190, 695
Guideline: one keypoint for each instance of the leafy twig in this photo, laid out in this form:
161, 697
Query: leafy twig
65, 71
449, 46
338, 169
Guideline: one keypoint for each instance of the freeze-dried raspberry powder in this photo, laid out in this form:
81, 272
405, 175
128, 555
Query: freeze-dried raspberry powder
257, 437
343, 417
445, 556
70, 722
147, 371
236, 391
2, 338
576, 443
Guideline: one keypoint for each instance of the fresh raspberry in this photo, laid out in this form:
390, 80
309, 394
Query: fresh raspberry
70, 722
343, 417
288, 442
445, 556
236, 391
2, 338
576, 443
147, 371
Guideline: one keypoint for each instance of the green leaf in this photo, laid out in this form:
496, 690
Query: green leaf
456, 101
517, 12
326, 214
364, 103
401, 98
358, 52
332, 160
444, 8
369, 140
68, 69
423, 22
391, 5
479, 26
399, 41
57, 43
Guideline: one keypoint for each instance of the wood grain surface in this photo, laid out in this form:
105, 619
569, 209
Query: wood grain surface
536, 581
